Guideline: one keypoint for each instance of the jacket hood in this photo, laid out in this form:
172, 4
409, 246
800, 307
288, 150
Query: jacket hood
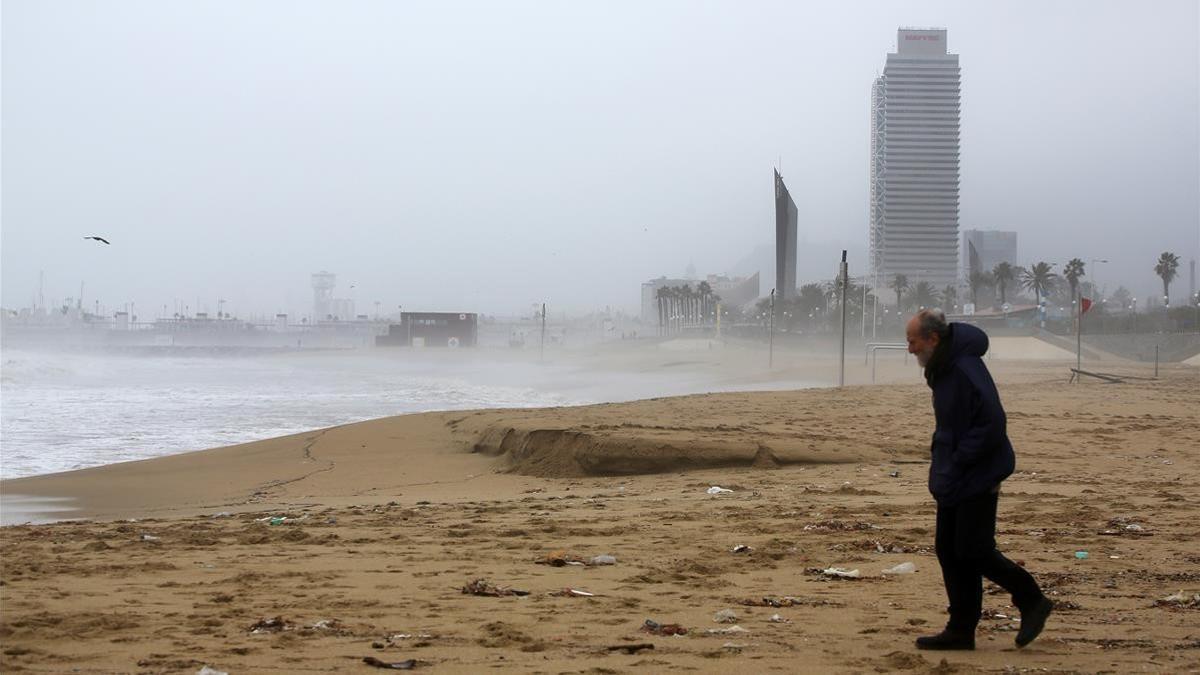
967, 340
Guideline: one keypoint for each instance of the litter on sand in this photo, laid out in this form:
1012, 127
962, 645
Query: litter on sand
725, 616
732, 630
840, 573
717, 490
484, 588
656, 628
408, 664
573, 592
902, 568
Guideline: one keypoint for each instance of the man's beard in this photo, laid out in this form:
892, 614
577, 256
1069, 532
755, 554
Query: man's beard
924, 356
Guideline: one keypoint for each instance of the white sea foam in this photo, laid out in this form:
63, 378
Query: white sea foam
60, 412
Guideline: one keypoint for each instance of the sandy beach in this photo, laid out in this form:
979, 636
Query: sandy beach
311, 552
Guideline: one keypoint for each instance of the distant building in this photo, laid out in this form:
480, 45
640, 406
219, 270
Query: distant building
432, 329
325, 306
785, 240
914, 162
982, 250
735, 291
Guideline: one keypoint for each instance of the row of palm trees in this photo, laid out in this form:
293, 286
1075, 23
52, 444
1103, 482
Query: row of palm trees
680, 306
1040, 278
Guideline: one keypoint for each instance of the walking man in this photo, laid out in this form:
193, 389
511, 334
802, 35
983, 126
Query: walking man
971, 457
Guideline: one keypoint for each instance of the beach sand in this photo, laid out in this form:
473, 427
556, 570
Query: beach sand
380, 525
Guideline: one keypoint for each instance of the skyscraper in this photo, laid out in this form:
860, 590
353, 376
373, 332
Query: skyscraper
914, 162
982, 250
785, 240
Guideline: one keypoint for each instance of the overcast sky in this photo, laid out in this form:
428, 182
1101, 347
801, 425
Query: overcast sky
485, 156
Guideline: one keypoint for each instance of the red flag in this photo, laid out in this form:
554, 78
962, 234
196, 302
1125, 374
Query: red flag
1085, 305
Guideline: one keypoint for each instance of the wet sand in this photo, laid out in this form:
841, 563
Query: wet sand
378, 526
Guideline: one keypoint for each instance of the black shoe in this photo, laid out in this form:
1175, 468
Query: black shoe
1033, 620
947, 639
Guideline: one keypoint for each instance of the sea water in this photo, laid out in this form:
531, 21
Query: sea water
61, 411
64, 411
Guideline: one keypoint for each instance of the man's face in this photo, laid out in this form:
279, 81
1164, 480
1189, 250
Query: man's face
920, 345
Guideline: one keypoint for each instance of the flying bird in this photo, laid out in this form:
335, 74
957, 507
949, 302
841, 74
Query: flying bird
100, 239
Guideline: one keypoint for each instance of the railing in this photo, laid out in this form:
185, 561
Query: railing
874, 349
873, 345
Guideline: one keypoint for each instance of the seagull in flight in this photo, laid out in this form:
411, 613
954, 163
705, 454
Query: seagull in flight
99, 239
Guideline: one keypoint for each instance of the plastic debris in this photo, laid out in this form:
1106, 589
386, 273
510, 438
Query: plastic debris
1082, 555
732, 630
725, 616
272, 625
656, 628
148, 537
398, 665
1180, 600
717, 490
894, 474
210, 671
902, 568
573, 592
223, 514
840, 573
603, 559
742, 548
279, 520
775, 618
484, 588
786, 601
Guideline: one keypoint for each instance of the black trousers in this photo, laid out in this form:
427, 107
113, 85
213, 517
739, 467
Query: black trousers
966, 550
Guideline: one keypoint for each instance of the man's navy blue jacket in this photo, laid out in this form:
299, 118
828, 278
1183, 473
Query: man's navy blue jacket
971, 452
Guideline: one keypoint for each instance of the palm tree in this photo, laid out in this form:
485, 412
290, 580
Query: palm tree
1168, 264
978, 280
1038, 279
662, 295
950, 295
705, 292
811, 299
924, 295
1003, 273
1072, 271
899, 284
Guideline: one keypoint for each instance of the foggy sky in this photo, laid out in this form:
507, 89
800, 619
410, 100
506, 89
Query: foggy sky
486, 156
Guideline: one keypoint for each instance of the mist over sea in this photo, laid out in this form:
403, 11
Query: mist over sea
61, 411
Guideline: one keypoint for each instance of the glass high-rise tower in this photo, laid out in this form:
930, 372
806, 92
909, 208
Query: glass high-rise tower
914, 163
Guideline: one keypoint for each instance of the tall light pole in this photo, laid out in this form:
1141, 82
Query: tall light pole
1092, 266
771, 334
845, 279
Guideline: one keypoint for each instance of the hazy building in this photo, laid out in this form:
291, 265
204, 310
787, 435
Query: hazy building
735, 291
785, 240
982, 250
914, 162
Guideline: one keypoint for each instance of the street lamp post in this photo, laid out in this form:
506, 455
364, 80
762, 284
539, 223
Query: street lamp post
1092, 266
